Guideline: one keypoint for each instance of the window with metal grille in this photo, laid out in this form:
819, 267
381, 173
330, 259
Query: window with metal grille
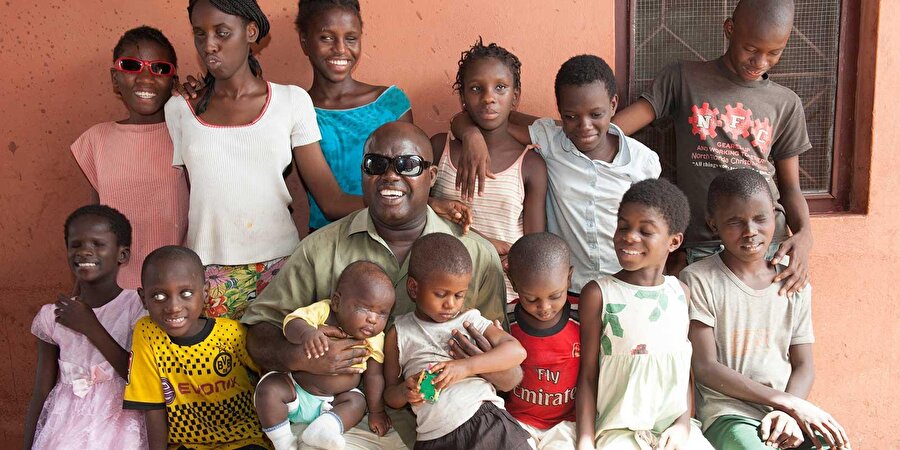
822, 45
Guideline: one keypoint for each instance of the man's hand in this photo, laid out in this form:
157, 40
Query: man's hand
462, 347
779, 430
338, 359
796, 276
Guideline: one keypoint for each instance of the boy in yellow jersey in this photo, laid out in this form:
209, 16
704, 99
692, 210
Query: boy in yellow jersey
189, 374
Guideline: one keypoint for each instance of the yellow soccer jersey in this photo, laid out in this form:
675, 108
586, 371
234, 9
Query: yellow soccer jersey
316, 315
202, 382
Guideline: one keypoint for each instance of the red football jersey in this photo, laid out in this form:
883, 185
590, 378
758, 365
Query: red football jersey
546, 395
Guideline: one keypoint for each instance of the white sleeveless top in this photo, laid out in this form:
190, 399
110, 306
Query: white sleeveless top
424, 343
645, 356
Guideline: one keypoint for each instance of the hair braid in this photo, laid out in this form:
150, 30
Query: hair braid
250, 11
492, 50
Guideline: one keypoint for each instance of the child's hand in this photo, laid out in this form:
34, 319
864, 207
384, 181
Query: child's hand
779, 430
413, 394
813, 419
76, 315
315, 342
450, 372
190, 88
379, 422
675, 437
474, 163
452, 210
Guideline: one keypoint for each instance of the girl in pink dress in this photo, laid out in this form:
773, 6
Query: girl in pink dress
82, 340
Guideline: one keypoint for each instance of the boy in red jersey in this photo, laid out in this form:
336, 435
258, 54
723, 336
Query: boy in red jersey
548, 328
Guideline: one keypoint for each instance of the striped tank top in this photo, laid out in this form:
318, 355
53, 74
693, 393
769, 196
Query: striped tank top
499, 213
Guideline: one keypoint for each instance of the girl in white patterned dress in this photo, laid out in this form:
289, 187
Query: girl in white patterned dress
634, 383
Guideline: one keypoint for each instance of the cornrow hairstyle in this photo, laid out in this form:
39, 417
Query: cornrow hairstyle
118, 223
173, 253
438, 253
740, 183
663, 196
144, 33
585, 69
250, 11
308, 10
492, 50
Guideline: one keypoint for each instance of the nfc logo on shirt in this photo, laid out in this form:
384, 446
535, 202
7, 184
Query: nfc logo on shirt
223, 363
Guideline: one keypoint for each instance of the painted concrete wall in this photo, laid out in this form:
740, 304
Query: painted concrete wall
55, 85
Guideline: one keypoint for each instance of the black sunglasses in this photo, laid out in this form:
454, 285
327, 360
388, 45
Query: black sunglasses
406, 165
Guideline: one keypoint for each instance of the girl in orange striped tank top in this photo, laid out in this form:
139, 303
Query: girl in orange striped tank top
512, 204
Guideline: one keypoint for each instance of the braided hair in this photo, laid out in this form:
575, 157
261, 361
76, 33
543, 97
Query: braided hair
249, 10
492, 50
310, 9
144, 33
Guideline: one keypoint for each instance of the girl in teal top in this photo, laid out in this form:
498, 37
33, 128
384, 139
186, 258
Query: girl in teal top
347, 110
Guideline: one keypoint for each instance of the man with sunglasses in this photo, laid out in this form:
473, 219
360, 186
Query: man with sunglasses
397, 176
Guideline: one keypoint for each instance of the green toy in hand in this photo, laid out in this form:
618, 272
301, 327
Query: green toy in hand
426, 386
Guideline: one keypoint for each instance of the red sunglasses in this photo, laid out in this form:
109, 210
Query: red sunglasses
134, 65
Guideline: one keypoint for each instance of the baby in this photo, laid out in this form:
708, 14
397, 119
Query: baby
358, 309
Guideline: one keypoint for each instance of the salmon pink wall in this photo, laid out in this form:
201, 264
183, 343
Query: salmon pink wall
55, 58
56, 84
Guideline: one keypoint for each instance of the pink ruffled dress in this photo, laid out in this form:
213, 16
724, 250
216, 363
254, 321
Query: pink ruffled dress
84, 409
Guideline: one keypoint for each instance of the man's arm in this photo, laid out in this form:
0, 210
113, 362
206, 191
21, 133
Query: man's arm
488, 286
269, 348
796, 211
482, 344
461, 348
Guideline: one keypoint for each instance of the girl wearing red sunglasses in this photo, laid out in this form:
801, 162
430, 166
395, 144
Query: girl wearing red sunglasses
129, 162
